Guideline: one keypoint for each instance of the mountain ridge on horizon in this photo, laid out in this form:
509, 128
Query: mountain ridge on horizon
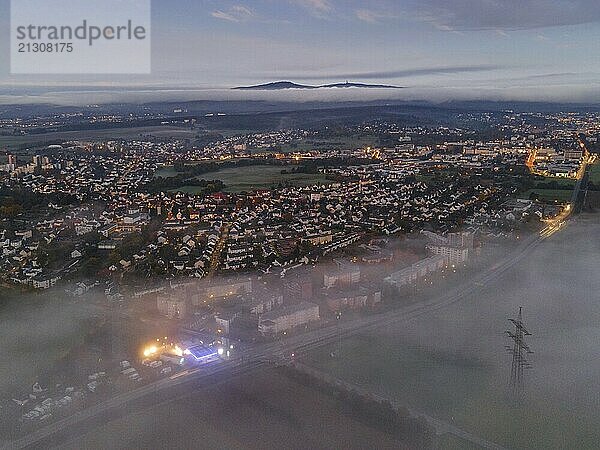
280, 85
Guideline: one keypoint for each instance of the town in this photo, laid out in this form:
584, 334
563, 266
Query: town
249, 238
299, 224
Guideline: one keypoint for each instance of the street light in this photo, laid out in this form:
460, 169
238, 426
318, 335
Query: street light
338, 316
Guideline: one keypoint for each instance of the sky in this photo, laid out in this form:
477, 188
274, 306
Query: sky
509, 49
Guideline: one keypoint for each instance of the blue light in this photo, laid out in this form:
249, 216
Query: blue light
200, 352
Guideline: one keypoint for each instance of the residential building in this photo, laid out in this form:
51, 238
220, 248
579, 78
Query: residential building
287, 318
172, 307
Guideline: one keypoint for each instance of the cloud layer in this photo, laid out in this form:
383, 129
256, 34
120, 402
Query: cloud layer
236, 13
504, 14
401, 73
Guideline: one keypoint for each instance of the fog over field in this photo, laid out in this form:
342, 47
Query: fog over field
36, 331
453, 365
450, 363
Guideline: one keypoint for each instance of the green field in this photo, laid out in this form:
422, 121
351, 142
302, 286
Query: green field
240, 179
567, 183
232, 133
595, 173
551, 195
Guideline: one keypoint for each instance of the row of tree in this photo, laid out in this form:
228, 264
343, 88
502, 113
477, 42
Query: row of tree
375, 413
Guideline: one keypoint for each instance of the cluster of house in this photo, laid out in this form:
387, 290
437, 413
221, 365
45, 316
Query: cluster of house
265, 229
280, 227
20, 256
502, 219
250, 304
245, 145
19, 261
88, 175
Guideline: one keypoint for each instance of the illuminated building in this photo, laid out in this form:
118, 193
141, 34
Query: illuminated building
172, 307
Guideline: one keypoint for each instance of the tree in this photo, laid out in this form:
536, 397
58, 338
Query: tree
131, 245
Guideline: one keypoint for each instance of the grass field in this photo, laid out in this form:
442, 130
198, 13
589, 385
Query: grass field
232, 133
551, 195
566, 182
166, 172
240, 179
595, 173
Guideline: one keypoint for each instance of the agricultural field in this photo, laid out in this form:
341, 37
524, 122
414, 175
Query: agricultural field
595, 173
240, 179
550, 195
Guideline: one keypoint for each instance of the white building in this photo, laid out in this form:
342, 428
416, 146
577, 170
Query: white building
284, 319
454, 255
418, 270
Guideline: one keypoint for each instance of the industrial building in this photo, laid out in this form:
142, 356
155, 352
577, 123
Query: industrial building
359, 297
298, 285
202, 353
224, 320
263, 302
455, 247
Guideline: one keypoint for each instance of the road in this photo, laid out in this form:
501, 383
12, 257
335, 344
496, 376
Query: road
296, 345
215, 259
575, 204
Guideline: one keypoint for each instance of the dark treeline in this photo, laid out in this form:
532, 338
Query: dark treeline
15, 201
307, 166
554, 185
169, 183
